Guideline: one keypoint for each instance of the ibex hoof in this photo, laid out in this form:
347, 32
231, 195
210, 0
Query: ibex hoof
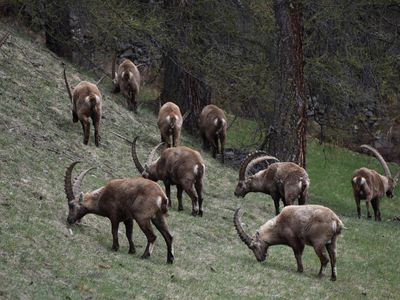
333, 278
201, 213
180, 208
145, 256
115, 248
131, 251
170, 260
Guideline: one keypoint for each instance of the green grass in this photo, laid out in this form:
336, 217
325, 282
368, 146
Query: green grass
243, 133
40, 259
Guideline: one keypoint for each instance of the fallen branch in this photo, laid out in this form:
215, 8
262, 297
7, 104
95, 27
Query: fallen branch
100, 80
122, 137
4, 38
231, 123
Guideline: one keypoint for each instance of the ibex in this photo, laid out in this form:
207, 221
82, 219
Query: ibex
122, 200
170, 123
371, 186
297, 226
281, 180
86, 103
212, 126
180, 166
127, 80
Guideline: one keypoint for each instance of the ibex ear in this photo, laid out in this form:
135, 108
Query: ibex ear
257, 235
81, 197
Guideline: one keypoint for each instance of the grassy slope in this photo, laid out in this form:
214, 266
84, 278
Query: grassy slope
40, 259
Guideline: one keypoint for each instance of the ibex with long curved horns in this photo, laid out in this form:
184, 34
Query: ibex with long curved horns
86, 103
297, 226
371, 186
122, 200
281, 180
180, 166
127, 80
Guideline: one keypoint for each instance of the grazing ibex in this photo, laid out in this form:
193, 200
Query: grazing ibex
86, 103
371, 186
281, 180
212, 126
297, 226
180, 166
127, 80
170, 123
122, 200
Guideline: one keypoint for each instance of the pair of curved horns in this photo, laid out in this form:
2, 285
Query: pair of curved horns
150, 158
73, 190
254, 158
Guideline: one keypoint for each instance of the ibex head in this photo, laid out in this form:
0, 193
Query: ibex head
74, 196
392, 181
149, 171
255, 243
244, 184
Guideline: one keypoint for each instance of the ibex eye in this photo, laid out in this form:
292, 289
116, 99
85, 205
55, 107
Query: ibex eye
71, 206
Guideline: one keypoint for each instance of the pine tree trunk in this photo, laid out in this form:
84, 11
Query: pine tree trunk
286, 138
58, 28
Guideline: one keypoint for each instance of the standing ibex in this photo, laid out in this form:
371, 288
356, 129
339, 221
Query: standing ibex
86, 103
170, 123
212, 126
180, 166
371, 186
281, 180
122, 200
297, 226
127, 80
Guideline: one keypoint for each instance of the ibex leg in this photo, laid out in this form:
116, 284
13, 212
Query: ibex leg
128, 231
151, 237
320, 251
161, 225
179, 196
377, 211
332, 255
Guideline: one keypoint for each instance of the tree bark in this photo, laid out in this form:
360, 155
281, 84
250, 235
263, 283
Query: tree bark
286, 137
58, 27
186, 90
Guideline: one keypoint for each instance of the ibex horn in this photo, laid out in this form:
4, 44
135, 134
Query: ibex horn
68, 182
246, 161
258, 160
136, 161
380, 158
240, 231
76, 188
153, 153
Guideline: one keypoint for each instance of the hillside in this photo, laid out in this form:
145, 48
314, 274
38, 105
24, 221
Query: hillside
40, 259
